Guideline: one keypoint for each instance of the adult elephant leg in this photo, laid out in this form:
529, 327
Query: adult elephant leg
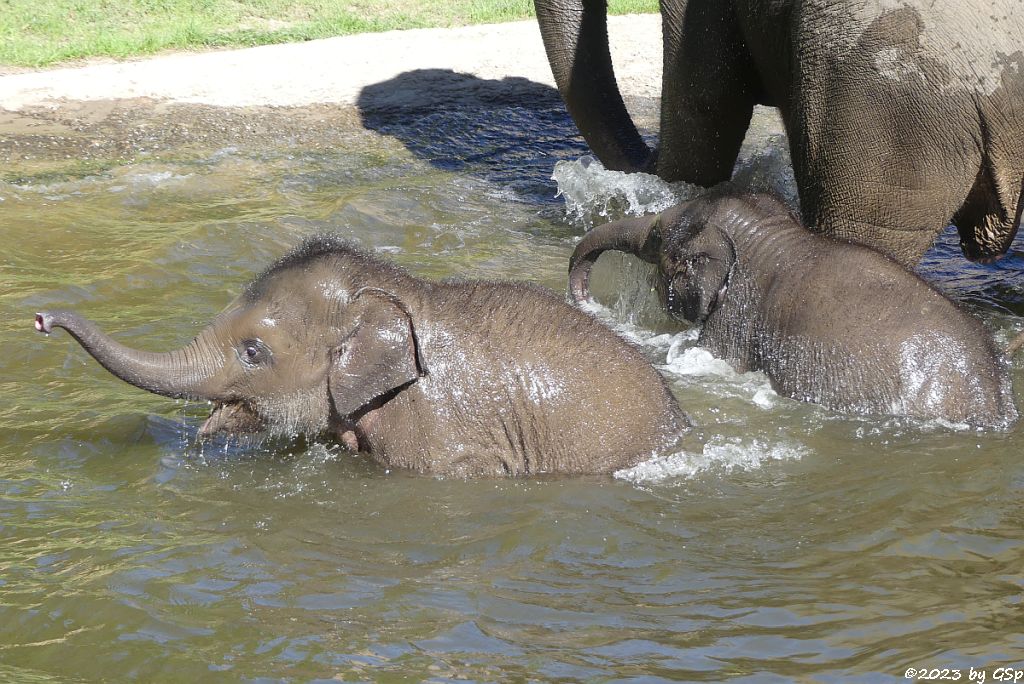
897, 135
575, 34
989, 219
882, 156
709, 88
870, 181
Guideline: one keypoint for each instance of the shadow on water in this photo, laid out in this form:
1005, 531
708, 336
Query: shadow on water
996, 287
509, 131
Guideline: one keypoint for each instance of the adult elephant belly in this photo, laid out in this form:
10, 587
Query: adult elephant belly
907, 119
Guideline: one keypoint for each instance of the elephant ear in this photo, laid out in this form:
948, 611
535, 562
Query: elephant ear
378, 356
701, 274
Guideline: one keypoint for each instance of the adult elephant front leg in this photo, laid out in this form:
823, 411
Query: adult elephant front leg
575, 34
709, 88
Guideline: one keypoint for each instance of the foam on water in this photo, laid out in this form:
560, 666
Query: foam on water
659, 343
696, 361
591, 191
718, 454
685, 360
677, 356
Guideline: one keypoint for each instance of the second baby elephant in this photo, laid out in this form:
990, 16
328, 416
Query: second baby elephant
828, 322
455, 378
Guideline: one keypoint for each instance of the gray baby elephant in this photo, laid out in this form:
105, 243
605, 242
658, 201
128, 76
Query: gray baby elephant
462, 378
828, 322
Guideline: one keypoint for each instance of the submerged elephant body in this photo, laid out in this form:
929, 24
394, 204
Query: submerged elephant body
465, 378
901, 115
828, 322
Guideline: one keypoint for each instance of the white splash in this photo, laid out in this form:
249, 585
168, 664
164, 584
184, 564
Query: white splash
154, 179
676, 355
696, 361
765, 398
593, 194
592, 191
686, 361
716, 455
657, 342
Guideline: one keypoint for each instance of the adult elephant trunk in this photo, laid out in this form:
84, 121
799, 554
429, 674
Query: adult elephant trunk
637, 236
575, 34
178, 374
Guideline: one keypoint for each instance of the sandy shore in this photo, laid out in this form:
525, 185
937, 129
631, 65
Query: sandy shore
74, 119
333, 70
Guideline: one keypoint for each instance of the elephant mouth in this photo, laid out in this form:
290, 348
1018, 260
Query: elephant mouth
236, 417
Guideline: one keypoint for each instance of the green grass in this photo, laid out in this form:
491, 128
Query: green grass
38, 33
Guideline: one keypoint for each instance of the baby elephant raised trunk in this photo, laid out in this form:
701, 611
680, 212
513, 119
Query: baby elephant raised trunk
637, 236
177, 374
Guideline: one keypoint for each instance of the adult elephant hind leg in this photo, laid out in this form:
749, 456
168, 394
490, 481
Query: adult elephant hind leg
891, 202
890, 135
880, 166
991, 214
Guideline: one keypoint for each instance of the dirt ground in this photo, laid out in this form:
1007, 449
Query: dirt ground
73, 117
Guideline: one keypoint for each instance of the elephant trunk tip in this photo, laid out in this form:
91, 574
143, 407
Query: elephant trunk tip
44, 322
579, 279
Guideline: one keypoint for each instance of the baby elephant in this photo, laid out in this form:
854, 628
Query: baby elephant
828, 322
462, 378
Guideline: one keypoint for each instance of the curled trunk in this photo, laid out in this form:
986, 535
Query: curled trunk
177, 374
636, 236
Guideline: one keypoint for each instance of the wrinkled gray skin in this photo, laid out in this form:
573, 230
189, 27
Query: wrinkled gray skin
828, 322
902, 115
453, 378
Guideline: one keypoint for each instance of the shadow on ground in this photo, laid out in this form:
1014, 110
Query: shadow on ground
509, 131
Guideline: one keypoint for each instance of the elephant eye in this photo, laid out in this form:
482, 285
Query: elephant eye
253, 352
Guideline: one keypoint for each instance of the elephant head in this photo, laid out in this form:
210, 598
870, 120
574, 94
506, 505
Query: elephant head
310, 345
695, 257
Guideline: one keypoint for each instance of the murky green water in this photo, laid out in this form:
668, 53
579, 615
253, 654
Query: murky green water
789, 543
